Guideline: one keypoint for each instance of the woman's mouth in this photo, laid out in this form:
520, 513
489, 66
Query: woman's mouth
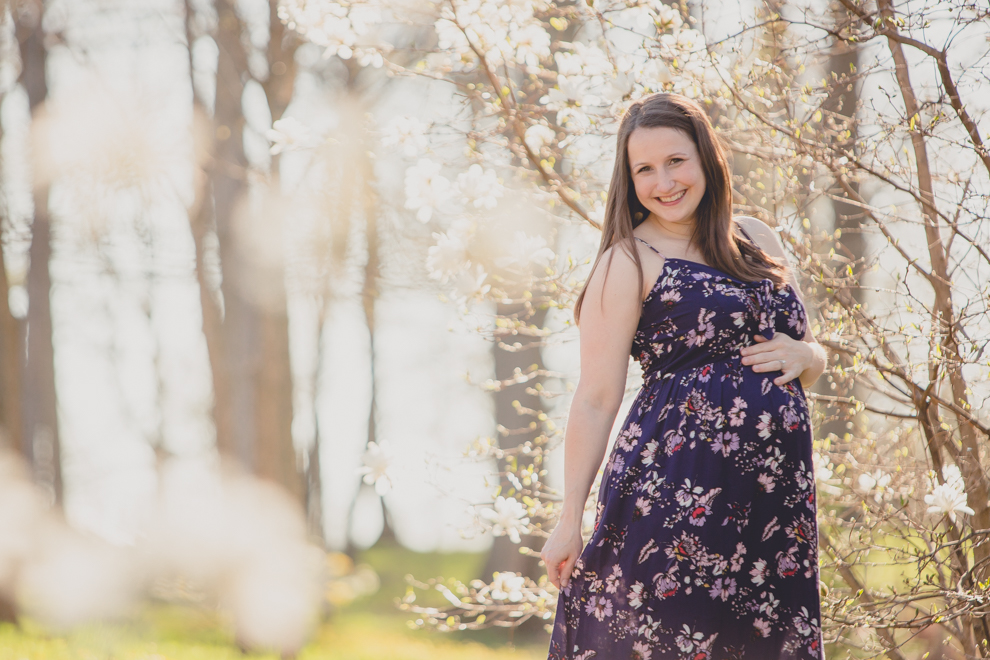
670, 200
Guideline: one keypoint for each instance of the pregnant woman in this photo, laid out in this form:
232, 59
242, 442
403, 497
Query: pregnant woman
705, 541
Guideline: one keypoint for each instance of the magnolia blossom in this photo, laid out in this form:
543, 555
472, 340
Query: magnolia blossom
875, 483
532, 43
409, 132
508, 586
480, 187
584, 60
288, 134
426, 188
468, 284
448, 256
570, 89
948, 498
376, 469
538, 136
526, 251
508, 516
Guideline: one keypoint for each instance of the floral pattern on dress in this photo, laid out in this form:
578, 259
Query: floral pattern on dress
705, 541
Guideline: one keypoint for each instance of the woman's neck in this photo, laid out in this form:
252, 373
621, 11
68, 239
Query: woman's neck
682, 231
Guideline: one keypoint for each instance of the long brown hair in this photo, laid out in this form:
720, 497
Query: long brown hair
715, 234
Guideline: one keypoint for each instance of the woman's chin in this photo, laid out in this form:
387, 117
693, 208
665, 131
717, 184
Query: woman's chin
672, 215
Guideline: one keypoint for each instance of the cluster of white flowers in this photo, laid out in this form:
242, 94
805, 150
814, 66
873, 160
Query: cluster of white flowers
427, 190
340, 28
504, 31
506, 517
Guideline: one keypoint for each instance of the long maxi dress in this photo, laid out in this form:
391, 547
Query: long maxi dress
705, 541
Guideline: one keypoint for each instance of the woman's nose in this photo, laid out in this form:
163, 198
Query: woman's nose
665, 183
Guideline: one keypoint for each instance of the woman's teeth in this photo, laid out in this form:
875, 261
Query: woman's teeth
672, 198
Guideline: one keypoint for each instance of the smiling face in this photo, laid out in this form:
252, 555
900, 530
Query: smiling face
666, 173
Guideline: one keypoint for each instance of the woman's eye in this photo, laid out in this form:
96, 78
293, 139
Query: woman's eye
676, 160
643, 169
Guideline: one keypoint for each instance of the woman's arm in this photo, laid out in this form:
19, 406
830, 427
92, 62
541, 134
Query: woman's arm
806, 359
609, 316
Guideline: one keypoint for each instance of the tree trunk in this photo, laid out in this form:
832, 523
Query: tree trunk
11, 363
840, 110
514, 430
246, 322
40, 440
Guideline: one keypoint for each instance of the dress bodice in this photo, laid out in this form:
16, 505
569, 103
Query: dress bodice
696, 314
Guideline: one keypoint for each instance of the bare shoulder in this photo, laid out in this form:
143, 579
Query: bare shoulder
616, 270
617, 275
762, 234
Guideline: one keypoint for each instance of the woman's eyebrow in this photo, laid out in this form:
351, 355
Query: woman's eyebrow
676, 153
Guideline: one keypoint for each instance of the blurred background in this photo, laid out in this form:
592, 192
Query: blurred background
234, 402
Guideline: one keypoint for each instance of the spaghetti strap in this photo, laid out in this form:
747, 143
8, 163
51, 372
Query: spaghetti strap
647, 245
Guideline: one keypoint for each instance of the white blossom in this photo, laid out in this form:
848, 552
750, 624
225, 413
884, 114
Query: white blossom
408, 132
468, 283
450, 37
426, 188
507, 586
377, 461
507, 516
448, 256
288, 134
532, 43
480, 187
668, 17
526, 251
538, 136
874, 483
948, 498
570, 89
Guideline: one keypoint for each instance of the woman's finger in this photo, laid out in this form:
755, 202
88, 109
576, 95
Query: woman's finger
788, 376
565, 572
766, 362
756, 349
553, 572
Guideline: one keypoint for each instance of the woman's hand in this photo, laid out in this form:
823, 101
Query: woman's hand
782, 353
561, 552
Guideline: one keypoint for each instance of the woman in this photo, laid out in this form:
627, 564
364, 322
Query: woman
705, 542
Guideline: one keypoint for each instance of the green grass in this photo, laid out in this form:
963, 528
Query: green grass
369, 628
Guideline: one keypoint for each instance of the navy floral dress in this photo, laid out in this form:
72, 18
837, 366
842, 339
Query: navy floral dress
705, 541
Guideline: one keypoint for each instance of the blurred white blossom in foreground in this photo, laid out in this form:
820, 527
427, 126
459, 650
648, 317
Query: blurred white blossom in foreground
376, 469
233, 540
289, 134
426, 189
527, 251
407, 132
